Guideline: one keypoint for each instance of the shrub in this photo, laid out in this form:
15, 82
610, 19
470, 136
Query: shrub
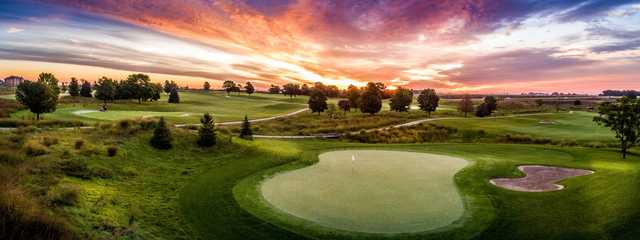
77, 169
11, 157
124, 124
49, 141
112, 151
34, 149
101, 172
79, 144
66, 195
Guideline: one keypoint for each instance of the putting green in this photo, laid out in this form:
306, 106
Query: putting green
371, 191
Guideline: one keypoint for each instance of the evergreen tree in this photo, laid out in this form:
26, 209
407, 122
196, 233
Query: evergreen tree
487, 107
161, 136
37, 96
249, 89
401, 100
317, 101
174, 97
371, 99
428, 100
74, 87
246, 132
207, 131
85, 90
466, 105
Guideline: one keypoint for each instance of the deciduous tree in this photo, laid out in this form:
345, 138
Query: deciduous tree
623, 118
317, 101
428, 101
37, 96
50, 80
466, 105
249, 89
206, 86
401, 100
345, 105
371, 99
105, 89
228, 86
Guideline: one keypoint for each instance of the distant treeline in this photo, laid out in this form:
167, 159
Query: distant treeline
620, 93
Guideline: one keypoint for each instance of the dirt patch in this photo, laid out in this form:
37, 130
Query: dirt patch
539, 178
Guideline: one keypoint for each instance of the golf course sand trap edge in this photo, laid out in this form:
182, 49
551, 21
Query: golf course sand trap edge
371, 191
539, 178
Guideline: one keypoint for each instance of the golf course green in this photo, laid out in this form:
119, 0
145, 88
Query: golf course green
371, 191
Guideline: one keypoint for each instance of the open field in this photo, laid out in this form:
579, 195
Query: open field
193, 104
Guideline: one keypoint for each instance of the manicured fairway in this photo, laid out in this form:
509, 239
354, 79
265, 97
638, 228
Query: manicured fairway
371, 191
578, 126
192, 106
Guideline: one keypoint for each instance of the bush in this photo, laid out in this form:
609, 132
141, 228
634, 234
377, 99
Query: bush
112, 151
101, 172
49, 141
9, 122
11, 157
79, 144
124, 124
24, 218
77, 169
65, 195
34, 149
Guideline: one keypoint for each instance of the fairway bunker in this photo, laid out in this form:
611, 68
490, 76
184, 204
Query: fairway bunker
539, 178
371, 191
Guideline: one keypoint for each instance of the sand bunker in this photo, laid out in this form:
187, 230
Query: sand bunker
539, 178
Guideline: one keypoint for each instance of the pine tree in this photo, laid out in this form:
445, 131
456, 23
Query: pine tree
174, 97
161, 136
207, 131
246, 132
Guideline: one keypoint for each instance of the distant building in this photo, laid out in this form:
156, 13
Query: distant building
13, 81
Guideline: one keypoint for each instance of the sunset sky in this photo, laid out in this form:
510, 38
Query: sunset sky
464, 46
